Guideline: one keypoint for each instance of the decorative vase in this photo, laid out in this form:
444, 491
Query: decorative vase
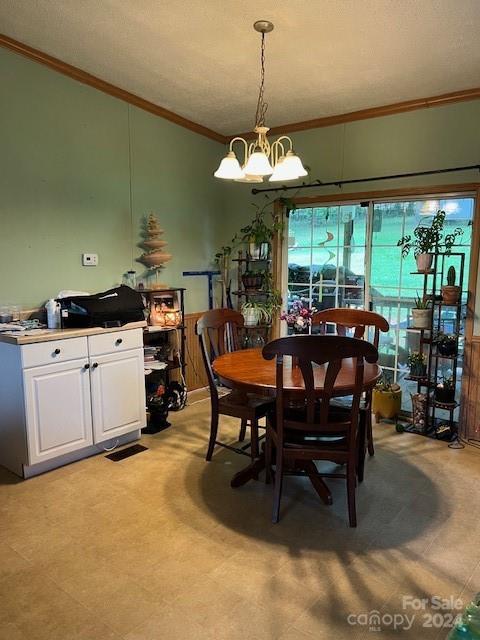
258, 251
424, 262
386, 404
450, 294
421, 318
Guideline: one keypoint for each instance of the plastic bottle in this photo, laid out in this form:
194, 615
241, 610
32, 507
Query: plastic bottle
53, 314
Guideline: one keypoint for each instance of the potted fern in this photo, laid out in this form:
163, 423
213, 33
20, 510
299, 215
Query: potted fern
426, 240
451, 291
421, 313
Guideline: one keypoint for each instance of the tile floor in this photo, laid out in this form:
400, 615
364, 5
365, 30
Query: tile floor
159, 547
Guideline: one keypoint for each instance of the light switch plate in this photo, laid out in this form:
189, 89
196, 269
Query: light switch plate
90, 259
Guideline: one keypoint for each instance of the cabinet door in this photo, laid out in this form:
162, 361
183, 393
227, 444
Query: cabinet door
118, 394
58, 410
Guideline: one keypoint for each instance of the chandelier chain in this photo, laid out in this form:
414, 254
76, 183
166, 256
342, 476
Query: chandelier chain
261, 105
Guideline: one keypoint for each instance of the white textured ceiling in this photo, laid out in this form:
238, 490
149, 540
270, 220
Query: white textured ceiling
200, 58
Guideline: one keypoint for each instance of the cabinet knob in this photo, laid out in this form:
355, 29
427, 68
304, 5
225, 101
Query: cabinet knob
57, 351
118, 341
86, 366
95, 365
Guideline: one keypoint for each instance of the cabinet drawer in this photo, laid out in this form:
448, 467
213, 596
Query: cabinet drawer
115, 341
40, 353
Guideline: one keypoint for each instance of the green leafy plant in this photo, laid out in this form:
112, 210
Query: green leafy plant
446, 338
448, 383
416, 359
386, 386
427, 239
421, 303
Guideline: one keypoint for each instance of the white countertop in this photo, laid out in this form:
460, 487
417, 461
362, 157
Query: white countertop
46, 335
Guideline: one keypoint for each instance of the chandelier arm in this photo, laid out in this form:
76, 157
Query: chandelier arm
245, 147
277, 149
285, 138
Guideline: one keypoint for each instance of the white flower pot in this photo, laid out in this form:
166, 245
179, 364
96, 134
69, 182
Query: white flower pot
421, 318
251, 317
424, 262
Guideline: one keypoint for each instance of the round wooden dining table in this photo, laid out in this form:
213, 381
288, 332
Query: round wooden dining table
248, 371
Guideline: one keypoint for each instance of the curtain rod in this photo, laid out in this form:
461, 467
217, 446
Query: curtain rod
340, 183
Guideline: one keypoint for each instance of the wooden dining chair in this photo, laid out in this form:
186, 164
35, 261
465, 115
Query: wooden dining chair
218, 331
359, 322
299, 435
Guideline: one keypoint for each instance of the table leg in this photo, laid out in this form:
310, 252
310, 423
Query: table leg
248, 473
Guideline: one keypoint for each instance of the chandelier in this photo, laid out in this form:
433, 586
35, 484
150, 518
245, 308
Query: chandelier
277, 160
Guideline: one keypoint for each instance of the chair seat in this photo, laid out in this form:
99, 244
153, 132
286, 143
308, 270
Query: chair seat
246, 405
314, 437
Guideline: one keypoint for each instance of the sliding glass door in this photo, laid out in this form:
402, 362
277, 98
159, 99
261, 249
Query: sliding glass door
348, 256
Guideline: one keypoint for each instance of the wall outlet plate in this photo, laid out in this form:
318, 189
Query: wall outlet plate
90, 259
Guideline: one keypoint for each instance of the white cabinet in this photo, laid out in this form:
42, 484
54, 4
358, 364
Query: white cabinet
118, 393
58, 409
62, 397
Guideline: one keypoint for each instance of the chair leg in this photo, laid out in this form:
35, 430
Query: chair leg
361, 446
351, 485
371, 449
277, 488
243, 430
268, 456
213, 435
254, 439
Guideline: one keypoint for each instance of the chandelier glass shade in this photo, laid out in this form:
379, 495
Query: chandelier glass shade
260, 158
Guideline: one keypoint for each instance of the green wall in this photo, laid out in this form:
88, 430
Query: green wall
66, 153
73, 158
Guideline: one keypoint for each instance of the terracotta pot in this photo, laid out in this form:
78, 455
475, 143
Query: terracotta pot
421, 318
253, 282
450, 294
424, 262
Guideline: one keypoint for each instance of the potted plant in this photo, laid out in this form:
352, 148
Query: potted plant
445, 391
421, 313
418, 364
252, 280
386, 400
253, 313
428, 239
446, 344
451, 291
298, 317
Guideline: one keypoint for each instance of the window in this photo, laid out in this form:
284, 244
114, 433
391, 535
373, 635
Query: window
347, 256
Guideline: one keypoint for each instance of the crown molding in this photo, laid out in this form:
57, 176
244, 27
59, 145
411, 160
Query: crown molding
112, 90
327, 121
374, 112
